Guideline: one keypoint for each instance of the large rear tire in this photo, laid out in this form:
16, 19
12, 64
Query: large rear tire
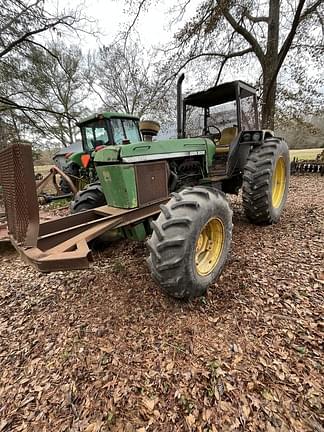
88, 198
190, 241
266, 181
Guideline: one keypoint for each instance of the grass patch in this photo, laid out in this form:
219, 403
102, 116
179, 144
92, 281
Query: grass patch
305, 154
42, 169
59, 203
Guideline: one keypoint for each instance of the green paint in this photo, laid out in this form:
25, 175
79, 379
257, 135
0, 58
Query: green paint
107, 154
163, 147
179, 148
108, 114
76, 158
137, 232
119, 185
211, 151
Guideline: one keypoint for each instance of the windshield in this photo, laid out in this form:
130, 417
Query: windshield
248, 114
96, 134
220, 116
125, 129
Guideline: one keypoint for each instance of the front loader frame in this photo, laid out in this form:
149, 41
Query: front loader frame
60, 244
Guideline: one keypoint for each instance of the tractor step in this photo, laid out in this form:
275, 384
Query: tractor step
219, 167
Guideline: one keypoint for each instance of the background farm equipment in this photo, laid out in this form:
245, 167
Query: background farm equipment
51, 178
170, 190
112, 129
69, 160
77, 162
80, 170
299, 166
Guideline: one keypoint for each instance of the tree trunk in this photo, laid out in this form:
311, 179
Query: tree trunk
268, 100
269, 67
70, 131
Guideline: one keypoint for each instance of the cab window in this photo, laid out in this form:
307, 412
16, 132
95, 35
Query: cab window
96, 134
125, 129
118, 131
131, 130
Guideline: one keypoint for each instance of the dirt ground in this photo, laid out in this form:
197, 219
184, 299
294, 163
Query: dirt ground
106, 350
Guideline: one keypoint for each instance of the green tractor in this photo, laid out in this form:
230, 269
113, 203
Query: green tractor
172, 191
98, 131
81, 168
192, 235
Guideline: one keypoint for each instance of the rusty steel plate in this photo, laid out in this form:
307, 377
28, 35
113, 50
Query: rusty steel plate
152, 182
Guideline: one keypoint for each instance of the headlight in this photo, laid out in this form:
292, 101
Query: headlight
246, 137
256, 136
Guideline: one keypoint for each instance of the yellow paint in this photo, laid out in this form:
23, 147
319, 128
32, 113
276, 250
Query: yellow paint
278, 182
209, 246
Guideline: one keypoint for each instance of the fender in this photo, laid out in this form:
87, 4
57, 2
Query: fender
76, 158
241, 147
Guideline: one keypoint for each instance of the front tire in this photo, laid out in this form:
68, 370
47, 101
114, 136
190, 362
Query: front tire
88, 198
190, 241
266, 181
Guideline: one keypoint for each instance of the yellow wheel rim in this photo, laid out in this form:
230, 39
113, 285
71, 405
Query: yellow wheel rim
278, 182
209, 246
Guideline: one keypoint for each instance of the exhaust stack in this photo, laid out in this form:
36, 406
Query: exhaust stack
179, 106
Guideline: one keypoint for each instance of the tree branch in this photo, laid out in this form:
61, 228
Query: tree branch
31, 33
9, 105
244, 32
134, 22
310, 9
255, 19
17, 17
290, 37
213, 54
321, 20
57, 58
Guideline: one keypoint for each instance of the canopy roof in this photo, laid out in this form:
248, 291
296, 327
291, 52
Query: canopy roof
220, 94
109, 115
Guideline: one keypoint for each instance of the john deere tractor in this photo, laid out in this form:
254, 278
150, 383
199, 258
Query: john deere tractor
80, 165
172, 191
98, 131
192, 235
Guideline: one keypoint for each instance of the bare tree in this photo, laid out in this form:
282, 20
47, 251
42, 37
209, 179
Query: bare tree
58, 84
263, 33
127, 80
51, 84
21, 24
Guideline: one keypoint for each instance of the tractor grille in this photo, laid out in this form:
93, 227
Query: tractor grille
19, 191
152, 182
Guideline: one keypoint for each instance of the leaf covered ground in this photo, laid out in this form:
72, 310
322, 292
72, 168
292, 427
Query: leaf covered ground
105, 350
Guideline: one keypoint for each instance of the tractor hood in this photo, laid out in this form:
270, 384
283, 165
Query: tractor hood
156, 150
107, 154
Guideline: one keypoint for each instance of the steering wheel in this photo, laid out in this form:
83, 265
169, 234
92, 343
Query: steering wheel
215, 136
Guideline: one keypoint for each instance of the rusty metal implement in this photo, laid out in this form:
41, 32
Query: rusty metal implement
60, 244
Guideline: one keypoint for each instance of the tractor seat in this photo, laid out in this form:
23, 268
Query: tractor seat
227, 137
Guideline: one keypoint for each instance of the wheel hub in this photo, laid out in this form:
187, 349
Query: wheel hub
209, 246
278, 182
